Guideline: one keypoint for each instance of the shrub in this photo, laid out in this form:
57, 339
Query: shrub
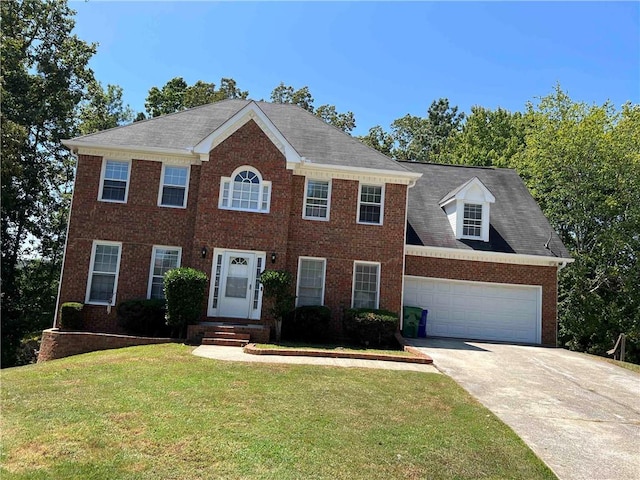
143, 317
277, 288
372, 328
71, 317
184, 291
307, 324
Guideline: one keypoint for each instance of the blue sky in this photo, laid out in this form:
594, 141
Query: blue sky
381, 60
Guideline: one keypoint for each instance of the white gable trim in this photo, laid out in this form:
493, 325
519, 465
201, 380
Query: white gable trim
461, 194
123, 152
250, 112
482, 256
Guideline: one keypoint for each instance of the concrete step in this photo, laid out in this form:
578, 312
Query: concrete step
229, 334
229, 342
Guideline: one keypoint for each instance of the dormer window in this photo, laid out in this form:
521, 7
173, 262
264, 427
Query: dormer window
467, 208
472, 220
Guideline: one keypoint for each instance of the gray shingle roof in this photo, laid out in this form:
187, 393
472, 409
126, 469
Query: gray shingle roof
517, 225
310, 136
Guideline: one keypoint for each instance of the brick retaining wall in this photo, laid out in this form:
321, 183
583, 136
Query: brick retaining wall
60, 344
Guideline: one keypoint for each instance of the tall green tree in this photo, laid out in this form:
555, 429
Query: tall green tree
177, 95
378, 139
44, 77
489, 138
421, 139
303, 98
582, 164
103, 109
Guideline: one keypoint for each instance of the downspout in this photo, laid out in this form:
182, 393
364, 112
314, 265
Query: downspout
74, 154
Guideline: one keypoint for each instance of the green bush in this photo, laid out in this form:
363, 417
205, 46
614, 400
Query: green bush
71, 317
143, 317
184, 291
371, 328
309, 323
277, 286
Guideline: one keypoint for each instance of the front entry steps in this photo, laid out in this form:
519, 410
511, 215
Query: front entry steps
227, 333
226, 336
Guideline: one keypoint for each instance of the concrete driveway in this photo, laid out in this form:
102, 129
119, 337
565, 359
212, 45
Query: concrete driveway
580, 415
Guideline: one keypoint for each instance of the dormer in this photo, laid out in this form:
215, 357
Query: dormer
467, 208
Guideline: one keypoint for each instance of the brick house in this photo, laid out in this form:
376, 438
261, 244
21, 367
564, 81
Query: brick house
237, 186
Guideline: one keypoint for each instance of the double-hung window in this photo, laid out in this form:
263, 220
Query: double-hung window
370, 204
311, 275
366, 285
103, 275
245, 190
163, 259
472, 220
115, 181
173, 189
317, 194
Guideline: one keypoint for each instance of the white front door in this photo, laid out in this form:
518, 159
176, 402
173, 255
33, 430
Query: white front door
235, 292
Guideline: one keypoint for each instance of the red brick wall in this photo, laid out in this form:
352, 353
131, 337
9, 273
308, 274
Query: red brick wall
496, 273
140, 223
59, 344
342, 240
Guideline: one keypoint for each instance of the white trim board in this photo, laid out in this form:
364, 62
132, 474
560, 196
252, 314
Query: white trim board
482, 256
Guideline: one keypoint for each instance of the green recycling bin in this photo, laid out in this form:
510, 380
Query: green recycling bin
411, 321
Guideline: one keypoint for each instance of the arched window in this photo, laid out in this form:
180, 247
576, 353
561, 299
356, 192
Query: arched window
245, 190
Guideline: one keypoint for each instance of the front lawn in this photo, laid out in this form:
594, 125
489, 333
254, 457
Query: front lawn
158, 412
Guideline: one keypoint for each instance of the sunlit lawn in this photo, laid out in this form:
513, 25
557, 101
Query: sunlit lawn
158, 412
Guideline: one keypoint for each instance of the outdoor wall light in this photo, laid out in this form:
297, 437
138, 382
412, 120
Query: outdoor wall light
204, 252
273, 257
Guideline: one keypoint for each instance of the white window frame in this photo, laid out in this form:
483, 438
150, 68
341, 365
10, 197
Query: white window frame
91, 272
164, 184
153, 260
353, 282
103, 172
481, 226
263, 184
304, 203
324, 276
382, 194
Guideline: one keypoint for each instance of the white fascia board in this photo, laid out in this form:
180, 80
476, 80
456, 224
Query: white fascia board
250, 112
374, 175
482, 256
129, 152
464, 188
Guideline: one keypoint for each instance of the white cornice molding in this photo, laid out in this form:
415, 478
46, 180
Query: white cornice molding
125, 153
250, 112
482, 256
327, 172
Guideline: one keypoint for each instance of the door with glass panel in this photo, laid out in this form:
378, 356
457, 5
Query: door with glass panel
237, 292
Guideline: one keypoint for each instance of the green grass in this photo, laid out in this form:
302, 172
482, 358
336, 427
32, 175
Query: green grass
629, 366
306, 346
158, 412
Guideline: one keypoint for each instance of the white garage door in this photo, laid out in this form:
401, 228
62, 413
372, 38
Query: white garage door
477, 310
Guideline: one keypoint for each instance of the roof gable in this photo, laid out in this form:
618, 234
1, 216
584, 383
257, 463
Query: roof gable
472, 189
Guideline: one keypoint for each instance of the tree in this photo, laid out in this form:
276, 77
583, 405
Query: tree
176, 95
44, 78
419, 139
303, 98
103, 109
378, 139
488, 138
582, 164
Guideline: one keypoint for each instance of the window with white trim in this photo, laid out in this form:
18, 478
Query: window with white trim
103, 273
317, 195
173, 189
366, 285
472, 220
370, 204
311, 279
163, 259
115, 181
245, 190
